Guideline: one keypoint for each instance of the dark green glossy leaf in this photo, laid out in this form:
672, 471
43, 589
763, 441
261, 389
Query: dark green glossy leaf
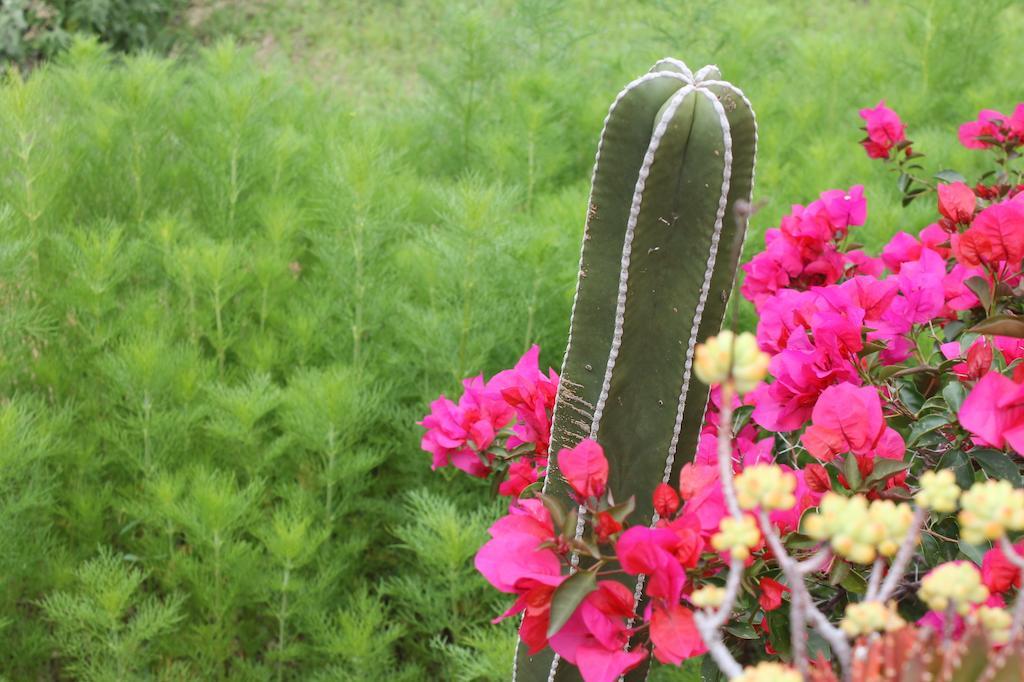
741, 417
998, 465
884, 469
568, 596
925, 425
742, 630
954, 393
960, 465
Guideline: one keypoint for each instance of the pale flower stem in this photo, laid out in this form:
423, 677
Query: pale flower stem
798, 631
1018, 607
903, 556
876, 579
795, 574
709, 624
725, 451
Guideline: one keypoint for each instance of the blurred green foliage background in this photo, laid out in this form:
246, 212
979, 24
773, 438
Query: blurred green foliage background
232, 279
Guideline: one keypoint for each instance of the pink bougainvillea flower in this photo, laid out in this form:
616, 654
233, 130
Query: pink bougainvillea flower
994, 412
989, 124
691, 541
997, 234
521, 475
771, 594
860, 263
700, 487
445, 434
1016, 123
512, 555
978, 358
885, 130
674, 633
936, 620
585, 468
802, 371
846, 419
651, 552
956, 202
460, 434
901, 248
531, 394
936, 238
595, 636
845, 208
920, 283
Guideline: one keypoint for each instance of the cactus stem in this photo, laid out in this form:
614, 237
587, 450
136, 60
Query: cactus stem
627, 250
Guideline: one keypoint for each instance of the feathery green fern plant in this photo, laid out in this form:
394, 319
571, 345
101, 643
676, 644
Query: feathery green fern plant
668, 210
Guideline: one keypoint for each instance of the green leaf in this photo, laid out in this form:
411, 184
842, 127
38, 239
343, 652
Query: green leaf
854, 582
840, 569
742, 630
885, 469
1001, 325
570, 523
909, 371
554, 508
778, 622
925, 425
903, 183
975, 553
852, 472
979, 286
953, 329
911, 398
998, 465
621, 511
741, 417
949, 176
568, 596
960, 465
954, 394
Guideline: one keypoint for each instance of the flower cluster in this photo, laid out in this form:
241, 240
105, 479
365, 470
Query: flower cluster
988, 510
879, 396
863, 618
859, 530
955, 585
499, 427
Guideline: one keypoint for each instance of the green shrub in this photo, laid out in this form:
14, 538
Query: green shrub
31, 30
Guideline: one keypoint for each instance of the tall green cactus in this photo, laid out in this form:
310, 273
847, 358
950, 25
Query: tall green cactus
668, 210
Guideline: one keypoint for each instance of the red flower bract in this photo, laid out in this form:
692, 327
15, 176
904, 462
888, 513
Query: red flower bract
585, 468
997, 234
